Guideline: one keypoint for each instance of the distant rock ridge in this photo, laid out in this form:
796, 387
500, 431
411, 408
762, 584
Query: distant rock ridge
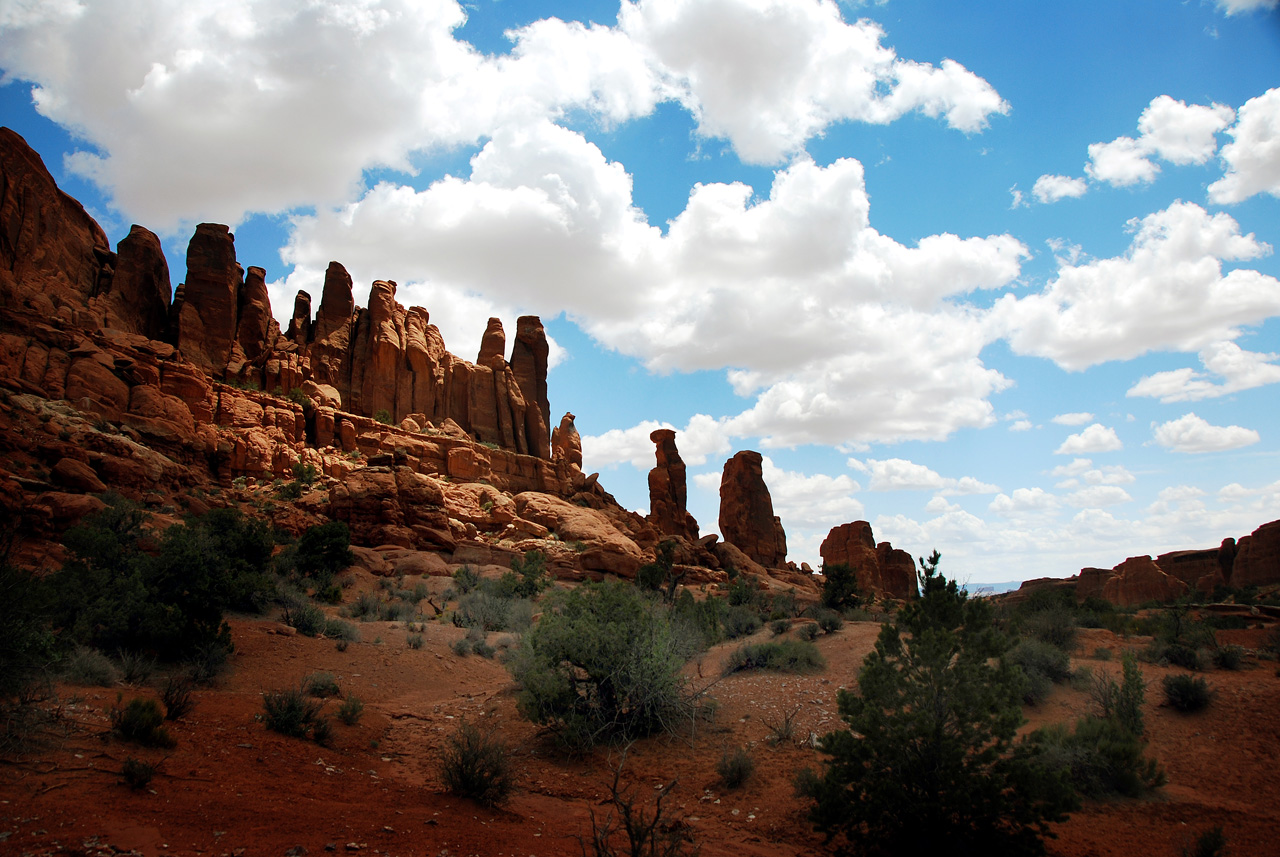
1254, 560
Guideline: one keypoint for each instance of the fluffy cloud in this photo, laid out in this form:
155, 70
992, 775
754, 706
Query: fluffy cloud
1021, 425
1190, 433
1051, 188
1171, 130
288, 119
1023, 502
898, 474
1238, 369
1167, 291
1096, 438
702, 438
1078, 418
1096, 496
769, 74
879, 345
1253, 156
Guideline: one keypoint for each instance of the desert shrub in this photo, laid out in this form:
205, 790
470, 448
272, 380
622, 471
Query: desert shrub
290, 490
27, 649
462, 647
169, 599
337, 629
307, 618
1186, 693
206, 662
382, 415
136, 773
698, 624
465, 580
299, 397
1102, 653
322, 685
414, 641
176, 696
142, 722
783, 605
778, 627
351, 710
782, 731
91, 668
808, 631
646, 832
290, 712
740, 621
744, 591
1228, 657
829, 621
1044, 665
601, 663
481, 609
1055, 626
840, 587
1209, 843
661, 575
475, 766
135, 667
319, 554
1100, 757
305, 473
735, 767
929, 761
1178, 655
322, 731
1122, 701
792, 656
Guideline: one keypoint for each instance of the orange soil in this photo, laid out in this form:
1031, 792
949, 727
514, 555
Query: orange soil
231, 787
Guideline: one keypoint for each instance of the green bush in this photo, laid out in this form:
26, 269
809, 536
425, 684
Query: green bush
337, 629
829, 621
290, 712
929, 762
305, 473
778, 627
1100, 757
735, 767
840, 587
482, 609
383, 416
475, 765
168, 599
135, 667
1122, 701
91, 668
808, 631
321, 685
1186, 693
176, 696
1044, 665
351, 710
27, 649
740, 621
465, 580
136, 773
307, 618
792, 656
414, 641
1228, 657
298, 397
142, 722
320, 553
601, 663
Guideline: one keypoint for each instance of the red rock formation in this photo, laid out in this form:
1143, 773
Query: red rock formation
299, 330
211, 299
140, 291
566, 445
493, 346
668, 491
336, 302
51, 251
529, 365
746, 511
879, 568
1090, 582
1138, 580
1257, 557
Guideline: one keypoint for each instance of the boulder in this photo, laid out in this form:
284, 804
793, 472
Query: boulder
668, 490
566, 444
606, 549
746, 511
879, 568
77, 476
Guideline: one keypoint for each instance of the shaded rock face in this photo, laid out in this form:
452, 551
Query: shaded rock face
1257, 557
879, 568
47, 239
529, 365
211, 299
746, 511
668, 491
138, 297
1138, 580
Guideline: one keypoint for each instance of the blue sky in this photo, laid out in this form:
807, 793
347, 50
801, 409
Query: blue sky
998, 278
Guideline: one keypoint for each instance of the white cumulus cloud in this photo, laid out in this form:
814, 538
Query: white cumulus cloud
1170, 130
899, 474
1095, 438
1051, 188
702, 438
1078, 418
1252, 157
1238, 369
1168, 291
1190, 433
